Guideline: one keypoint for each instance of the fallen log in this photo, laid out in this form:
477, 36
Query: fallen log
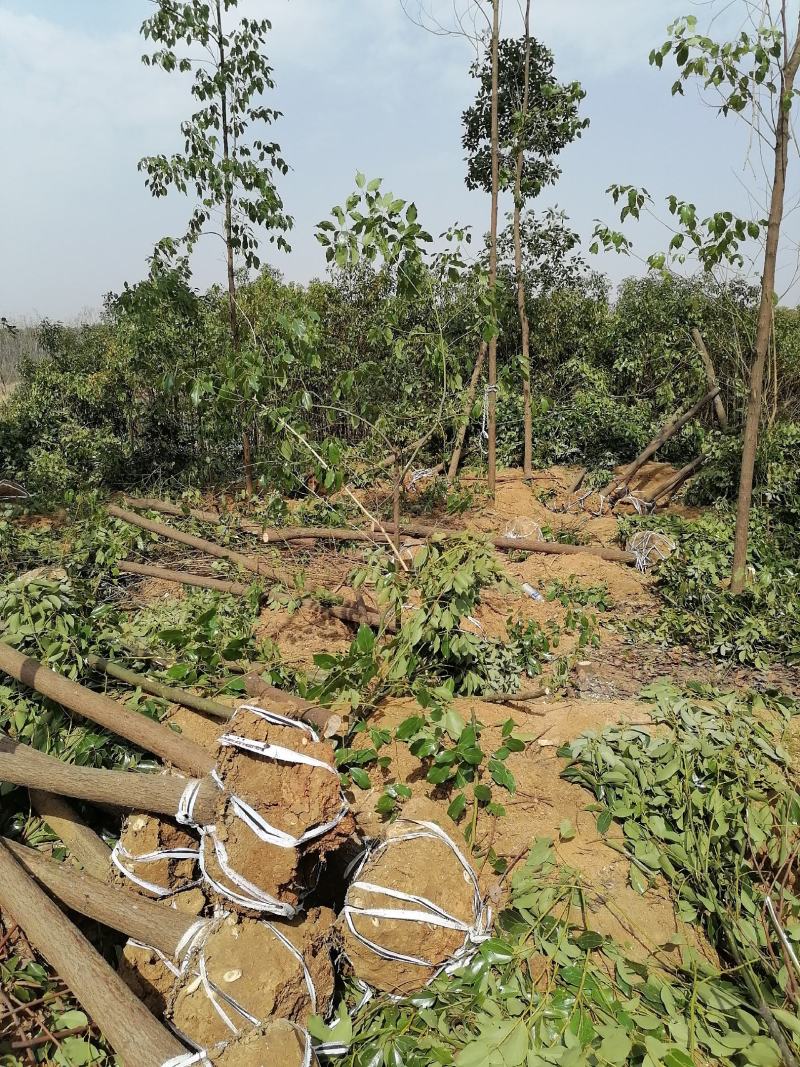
513, 698
323, 721
211, 548
136, 1036
577, 482
157, 793
159, 689
711, 378
132, 914
136, 728
127, 566
668, 491
618, 486
85, 846
166, 507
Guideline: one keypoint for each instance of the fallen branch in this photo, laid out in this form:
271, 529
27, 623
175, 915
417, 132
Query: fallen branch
323, 721
620, 484
166, 692
138, 729
136, 1036
165, 507
200, 543
668, 489
127, 566
515, 698
578, 482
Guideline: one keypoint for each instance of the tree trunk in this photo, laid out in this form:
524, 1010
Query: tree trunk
85, 846
135, 1034
491, 400
160, 689
233, 318
527, 468
152, 736
764, 325
469, 400
200, 581
711, 378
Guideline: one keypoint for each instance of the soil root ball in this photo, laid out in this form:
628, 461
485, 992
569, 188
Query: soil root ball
650, 547
279, 1043
412, 910
154, 857
245, 973
279, 797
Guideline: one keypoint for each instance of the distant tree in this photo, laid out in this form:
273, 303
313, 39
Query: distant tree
537, 117
225, 161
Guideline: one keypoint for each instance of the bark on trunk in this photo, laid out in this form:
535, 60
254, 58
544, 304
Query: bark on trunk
527, 468
764, 325
491, 402
469, 400
127, 566
138, 729
137, 1037
85, 846
711, 378
166, 692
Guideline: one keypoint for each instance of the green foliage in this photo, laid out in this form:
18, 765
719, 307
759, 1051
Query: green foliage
753, 627
229, 169
551, 123
547, 989
709, 801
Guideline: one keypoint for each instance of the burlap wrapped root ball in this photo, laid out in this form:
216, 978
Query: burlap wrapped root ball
155, 857
250, 972
416, 869
293, 799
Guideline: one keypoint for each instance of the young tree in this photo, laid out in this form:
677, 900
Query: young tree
755, 75
226, 161
537, 117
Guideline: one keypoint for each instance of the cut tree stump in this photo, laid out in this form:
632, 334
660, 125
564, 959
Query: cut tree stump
135, 1034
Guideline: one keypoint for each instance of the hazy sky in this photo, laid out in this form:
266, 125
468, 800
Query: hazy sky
361, 88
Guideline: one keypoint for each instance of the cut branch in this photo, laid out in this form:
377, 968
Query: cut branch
159, 689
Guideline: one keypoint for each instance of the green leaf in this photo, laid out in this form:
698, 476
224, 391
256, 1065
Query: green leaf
457, 807
566, 831
360, 777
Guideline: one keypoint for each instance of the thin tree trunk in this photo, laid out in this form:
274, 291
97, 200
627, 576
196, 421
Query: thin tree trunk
160, 689
492, 384
85, 846
200, 581
764, 326
711, 378
527, 468
469, 400
134, 1033
233, 318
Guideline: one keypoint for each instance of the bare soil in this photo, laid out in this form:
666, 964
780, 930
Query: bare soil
143, 834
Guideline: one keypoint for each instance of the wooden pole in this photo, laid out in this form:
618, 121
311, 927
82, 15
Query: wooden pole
711, 378
469, 400
667, 432
136, 728
127, 566
153, 923
85, 846
200, 543
166, 692
669, 490
165, 507
137, 1037
159, 793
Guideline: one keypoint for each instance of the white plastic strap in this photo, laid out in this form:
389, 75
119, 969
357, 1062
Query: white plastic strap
251, 896
152, 857
185, 813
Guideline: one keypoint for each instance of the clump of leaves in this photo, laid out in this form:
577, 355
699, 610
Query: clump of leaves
546, 989
752, 627
574, 592
711, 804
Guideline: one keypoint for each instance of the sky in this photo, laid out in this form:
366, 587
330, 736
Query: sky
361, 88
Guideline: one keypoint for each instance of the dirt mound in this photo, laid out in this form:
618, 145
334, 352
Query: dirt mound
301, 634
424, 867
147, 835
253, 968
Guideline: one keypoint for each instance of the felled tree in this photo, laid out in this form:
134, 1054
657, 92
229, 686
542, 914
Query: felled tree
226, 162
537, 117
